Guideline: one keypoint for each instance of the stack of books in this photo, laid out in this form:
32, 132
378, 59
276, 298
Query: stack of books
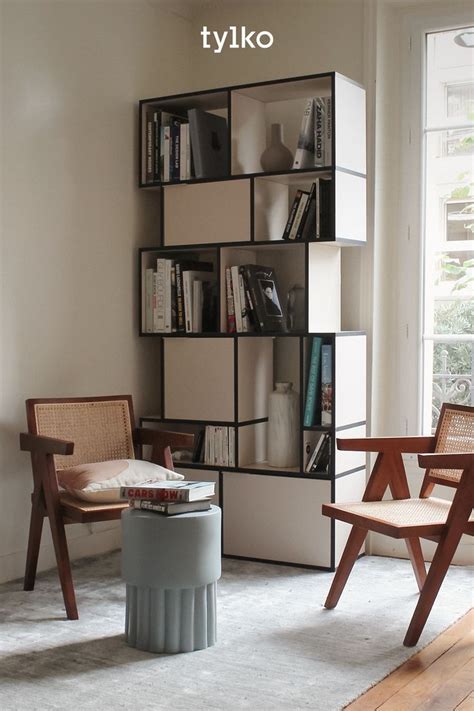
319, 458
215, 445
318, 403
310, 214
170, 497
252, 300
178, 147
314, 147
180, 296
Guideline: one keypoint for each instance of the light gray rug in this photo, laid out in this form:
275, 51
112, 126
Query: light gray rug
277, 647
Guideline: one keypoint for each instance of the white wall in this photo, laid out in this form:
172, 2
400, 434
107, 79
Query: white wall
71, 74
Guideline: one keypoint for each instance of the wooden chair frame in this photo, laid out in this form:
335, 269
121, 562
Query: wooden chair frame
389, 472
48, 502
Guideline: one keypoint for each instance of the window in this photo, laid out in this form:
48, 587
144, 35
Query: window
448, 235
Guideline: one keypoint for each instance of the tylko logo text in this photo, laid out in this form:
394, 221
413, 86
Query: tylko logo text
235, 38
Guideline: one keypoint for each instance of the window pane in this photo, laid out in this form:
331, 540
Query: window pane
452, 376
450, 78
448, 226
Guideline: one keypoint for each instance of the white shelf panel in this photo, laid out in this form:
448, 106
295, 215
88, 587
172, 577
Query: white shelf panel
351, 211
350, 380
197, 214
276, 519
324, 285
350, 125
199, 379
345, 461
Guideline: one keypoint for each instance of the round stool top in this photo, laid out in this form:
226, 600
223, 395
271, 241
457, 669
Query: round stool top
171, 551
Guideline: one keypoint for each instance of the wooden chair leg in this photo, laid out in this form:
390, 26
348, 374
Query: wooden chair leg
34, 540
436, 574
64, 566
351, 551
417, 561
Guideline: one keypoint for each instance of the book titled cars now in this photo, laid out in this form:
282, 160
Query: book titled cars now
169, 491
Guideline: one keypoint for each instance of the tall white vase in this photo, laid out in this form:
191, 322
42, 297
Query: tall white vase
283, 427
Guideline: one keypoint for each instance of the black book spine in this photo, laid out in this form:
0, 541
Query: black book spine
180, 323
292, 214
304, 217
175, 149
149, 145
157, 148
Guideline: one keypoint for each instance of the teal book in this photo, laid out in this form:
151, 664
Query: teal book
313, 381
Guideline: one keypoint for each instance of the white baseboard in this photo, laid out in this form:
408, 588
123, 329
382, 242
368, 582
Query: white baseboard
83, 541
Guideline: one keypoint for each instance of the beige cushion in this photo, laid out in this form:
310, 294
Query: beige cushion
100, 482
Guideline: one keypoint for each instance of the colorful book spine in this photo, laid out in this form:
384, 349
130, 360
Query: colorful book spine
312, 387
159, 325
326, 385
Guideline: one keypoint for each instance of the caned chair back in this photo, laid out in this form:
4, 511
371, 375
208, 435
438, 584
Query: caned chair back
455, 433
100, 427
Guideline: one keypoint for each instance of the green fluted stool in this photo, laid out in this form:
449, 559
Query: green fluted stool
171, 565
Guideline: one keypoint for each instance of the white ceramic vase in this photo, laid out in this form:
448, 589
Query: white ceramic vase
283, 427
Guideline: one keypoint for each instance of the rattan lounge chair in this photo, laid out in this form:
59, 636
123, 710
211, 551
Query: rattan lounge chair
66, 432
449, 460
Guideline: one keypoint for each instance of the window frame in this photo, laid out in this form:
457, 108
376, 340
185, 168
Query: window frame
410, 248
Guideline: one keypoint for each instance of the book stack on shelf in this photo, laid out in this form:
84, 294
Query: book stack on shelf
180, 297
319, 403
215, 445
252, 300
170, 498
310, 213
179, 147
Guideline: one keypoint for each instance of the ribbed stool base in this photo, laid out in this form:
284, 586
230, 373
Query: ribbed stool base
170, 621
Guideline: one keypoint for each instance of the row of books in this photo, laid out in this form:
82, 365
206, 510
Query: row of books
215, 445
318, 403
319, 457
252, 300
178, 147
310, 214
179, 296
170, 498
315, 140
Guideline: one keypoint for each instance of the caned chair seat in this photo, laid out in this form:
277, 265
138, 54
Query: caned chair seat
87, 512
401, 516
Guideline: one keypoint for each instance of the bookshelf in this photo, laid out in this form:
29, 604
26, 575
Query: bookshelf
224, 379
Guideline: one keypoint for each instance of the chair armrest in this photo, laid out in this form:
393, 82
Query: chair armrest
386, 445
44, 445
451, 460
145, 435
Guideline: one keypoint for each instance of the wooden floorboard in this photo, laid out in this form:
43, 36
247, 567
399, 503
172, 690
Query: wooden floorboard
438, 678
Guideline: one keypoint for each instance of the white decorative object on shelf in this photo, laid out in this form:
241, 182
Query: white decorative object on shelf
283, 427
276, 156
